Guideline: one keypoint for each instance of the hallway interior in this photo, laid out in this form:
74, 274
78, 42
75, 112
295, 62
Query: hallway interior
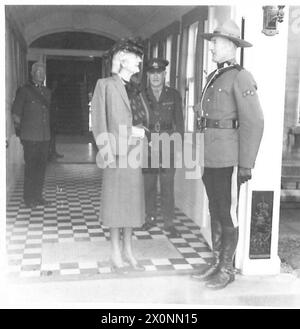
58, 255
66, 239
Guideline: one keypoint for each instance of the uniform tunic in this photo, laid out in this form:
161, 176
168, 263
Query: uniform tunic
31, 106
165, 117
122, 196
232, 95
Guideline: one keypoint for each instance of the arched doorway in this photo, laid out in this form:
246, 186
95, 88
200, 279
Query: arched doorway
73, 71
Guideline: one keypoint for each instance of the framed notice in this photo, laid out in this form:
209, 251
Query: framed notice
261, 224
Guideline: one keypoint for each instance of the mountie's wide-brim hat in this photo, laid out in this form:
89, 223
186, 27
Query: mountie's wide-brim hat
131, 45
228, 30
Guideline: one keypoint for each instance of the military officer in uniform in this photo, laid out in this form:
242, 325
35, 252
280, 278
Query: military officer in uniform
231, 118
30, 113
165, 117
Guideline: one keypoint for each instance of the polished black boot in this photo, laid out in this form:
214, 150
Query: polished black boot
207, 273
225, 273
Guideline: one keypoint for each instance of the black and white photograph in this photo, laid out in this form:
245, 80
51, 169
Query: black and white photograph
152, 157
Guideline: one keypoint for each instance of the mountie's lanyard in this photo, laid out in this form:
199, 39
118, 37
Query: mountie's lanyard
205, 88
218, 72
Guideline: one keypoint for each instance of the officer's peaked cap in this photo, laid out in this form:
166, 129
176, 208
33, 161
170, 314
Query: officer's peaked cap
131, 45
228, 30
156, 65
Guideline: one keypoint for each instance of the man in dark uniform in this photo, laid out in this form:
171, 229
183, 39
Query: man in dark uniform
231, 118
165, 117
30, 113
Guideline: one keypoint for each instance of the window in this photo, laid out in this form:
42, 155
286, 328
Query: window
177, 62
168, 52
190, 76
163, 44
299, 98
155, 50
206, 54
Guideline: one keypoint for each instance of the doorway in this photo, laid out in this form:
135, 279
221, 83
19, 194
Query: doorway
72, 79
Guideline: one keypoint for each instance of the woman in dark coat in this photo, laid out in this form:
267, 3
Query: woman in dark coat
122, 201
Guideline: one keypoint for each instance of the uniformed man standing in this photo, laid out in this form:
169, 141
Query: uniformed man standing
30, 113
231, 118
165, 117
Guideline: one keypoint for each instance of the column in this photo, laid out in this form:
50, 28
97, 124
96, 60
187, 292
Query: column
257, 251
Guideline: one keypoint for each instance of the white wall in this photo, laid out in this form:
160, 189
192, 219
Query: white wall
15, 76
292, 97
266, 60
190, 196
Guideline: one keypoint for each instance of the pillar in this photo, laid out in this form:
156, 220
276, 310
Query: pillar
259, 206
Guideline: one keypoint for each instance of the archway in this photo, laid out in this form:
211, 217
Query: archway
73, 73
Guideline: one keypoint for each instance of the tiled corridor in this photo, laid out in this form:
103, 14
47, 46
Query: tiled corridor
59, 255
67, 239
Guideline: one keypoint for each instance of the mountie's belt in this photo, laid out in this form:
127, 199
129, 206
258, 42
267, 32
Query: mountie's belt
203, 123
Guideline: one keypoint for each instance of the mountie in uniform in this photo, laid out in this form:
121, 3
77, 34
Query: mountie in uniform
230, 116
165, 116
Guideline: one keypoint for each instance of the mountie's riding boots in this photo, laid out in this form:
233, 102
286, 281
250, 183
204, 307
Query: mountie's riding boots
225, 273
216, 234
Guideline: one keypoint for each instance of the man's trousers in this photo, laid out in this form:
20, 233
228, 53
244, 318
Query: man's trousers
222, 190
166, 180
35, 157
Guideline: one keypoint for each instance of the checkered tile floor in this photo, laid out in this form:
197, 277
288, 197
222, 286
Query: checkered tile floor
75, 190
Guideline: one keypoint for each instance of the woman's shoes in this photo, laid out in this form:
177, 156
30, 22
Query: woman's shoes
119, 269
134, 265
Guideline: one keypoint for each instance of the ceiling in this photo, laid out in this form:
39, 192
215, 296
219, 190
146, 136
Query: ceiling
73, 40
137, 20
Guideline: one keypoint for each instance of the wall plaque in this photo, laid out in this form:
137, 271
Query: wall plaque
261, 224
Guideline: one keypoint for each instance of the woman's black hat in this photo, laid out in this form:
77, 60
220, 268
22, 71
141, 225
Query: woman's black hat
132, 45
